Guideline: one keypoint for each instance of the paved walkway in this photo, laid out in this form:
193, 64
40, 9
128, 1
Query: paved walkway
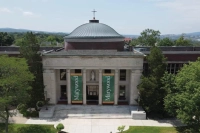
94, 119
101, 125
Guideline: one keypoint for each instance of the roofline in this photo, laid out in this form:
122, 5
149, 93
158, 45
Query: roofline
94, 39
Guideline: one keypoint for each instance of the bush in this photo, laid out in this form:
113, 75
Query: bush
121, 128
34, 129
59, 127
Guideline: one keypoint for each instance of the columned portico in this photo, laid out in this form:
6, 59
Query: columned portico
84, 86
116, 87
100, 87
68, 87
94, 67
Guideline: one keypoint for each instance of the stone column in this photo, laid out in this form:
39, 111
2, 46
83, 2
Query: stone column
68, 87
116, 86
49, 77
100, 87
134, 81
84, 86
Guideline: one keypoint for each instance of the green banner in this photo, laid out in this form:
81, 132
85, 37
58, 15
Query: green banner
76, 89
108, 88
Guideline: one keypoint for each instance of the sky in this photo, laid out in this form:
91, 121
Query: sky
129, 17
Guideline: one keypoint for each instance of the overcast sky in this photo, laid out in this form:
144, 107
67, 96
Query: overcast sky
125, 16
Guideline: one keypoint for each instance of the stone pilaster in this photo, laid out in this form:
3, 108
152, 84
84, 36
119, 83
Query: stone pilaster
49, 77
100, 87
116, 87
134, 81
84, 86
68, 87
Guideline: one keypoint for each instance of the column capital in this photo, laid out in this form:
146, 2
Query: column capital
100, 70
84, 70
68, 70
116, 70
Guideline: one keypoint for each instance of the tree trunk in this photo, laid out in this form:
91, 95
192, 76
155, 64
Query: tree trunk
7, 117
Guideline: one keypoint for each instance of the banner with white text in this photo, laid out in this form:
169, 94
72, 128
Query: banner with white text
108, 86
76, 88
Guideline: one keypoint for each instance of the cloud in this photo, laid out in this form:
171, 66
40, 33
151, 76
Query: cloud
5, 10
187, 8
30, 14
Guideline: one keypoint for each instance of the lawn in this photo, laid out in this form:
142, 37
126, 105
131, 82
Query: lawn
23, 128
145, 129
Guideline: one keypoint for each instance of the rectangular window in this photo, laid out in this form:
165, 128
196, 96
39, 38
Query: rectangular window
107, 71
122, 75
122, 92
77, 70
63, 92
62, 74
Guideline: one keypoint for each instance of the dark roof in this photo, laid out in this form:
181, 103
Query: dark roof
94, 30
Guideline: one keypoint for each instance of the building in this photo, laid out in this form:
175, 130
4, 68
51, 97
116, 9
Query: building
93, 68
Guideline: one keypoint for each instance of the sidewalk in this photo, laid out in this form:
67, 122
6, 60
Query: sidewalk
102, 125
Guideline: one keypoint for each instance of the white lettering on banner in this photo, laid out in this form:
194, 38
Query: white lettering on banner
108, 90
76, 90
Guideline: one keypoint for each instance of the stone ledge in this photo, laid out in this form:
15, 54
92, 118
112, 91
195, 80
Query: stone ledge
138, 115
47, 113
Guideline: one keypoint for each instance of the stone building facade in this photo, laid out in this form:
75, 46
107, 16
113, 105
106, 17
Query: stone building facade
92, 68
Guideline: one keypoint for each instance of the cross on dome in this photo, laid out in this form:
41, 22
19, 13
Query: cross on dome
94, 14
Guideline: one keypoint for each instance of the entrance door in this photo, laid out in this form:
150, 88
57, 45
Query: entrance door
92, 93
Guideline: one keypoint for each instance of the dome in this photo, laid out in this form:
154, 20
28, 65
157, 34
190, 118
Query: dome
93, 30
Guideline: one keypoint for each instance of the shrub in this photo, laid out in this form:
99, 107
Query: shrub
59, 127
121, 128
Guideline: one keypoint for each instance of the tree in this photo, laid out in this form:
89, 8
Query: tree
14, 85
166, 42
6, 39
148, 37
168, 81
184, 96
29, 49
51, 39
150, 88
182, 42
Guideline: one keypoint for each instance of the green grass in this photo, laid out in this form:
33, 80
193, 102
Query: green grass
24, 128
145, 129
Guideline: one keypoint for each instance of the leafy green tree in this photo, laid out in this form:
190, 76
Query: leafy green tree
14, 85
166, 42
29, 49
184, 96
51, 39
6, 39
168, 81
150, 88
148, 37
183, 42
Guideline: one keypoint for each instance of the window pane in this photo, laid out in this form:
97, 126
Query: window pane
77, 70
122, 92
107, 71
122, 75
63, 89
62, 74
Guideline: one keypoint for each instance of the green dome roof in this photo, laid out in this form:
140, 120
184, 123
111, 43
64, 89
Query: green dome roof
94, 30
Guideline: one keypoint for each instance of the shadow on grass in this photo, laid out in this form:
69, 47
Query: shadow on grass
10, 128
